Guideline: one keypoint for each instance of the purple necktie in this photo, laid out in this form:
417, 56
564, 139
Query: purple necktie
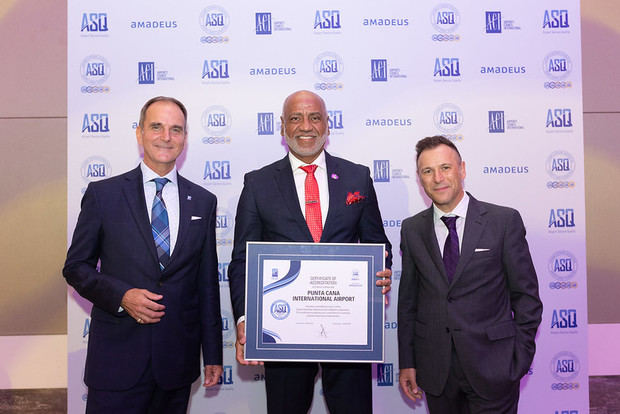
451, 248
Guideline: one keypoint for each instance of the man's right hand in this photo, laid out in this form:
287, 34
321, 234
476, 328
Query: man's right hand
408, 384
240, 345
141, 305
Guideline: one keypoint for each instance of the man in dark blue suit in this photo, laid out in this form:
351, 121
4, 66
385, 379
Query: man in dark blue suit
468, 304
275, 206
155, 294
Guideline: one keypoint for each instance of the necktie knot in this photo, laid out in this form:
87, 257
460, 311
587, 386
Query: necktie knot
160, 183
309, 169
450, 222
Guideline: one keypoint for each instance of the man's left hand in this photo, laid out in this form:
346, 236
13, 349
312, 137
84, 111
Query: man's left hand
212, 375
385, 280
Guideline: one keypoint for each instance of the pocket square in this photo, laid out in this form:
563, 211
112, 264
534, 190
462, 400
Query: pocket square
481, 250
196, 218
353, 198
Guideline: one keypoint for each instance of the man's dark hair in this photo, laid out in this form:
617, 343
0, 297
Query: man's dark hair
433, 142
162, 99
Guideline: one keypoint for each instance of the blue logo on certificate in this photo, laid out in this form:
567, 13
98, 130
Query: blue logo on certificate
280, 309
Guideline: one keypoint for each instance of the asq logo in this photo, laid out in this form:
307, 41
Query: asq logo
280, 309
565, 366
335, 121
214, 20
263, 23
555, 19
217, 172
496, 122
95, 69
216, 121
96, 125
94, 23
95, 168
381, 171
86, 328
557, 65
265, 122
215, 70
445, 18
228, 325
561, 220
448, 118
327, 20
385, 375
223, 223
564, 321
328, 67
562, 266
447, 69
559, 120
560, 165
493, 21
146, 73
222, 272
226, 378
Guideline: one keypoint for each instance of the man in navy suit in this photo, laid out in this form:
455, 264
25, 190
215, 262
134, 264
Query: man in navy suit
155, 293
273, 207
468, 304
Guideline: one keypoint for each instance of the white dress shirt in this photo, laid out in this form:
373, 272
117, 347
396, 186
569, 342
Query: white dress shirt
170, 194
321, 178
441, 230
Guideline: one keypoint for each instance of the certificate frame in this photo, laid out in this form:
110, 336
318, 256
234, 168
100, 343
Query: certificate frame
266, 289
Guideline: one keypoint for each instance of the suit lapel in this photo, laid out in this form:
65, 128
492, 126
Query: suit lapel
474, 225
286, 185
133, 190
430, 240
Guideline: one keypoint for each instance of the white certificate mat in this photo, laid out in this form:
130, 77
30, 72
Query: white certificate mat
314, 302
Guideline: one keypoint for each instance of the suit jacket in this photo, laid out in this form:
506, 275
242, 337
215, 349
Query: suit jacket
491, 309
269, 210
113, 227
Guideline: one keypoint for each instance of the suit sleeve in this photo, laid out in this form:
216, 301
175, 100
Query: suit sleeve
407, 306
371, 224
103, 290
211, 316
248, 227
524, 298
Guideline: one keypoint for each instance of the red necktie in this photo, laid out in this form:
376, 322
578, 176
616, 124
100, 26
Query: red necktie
313, 203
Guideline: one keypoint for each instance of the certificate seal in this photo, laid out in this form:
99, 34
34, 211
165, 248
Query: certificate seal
280, 309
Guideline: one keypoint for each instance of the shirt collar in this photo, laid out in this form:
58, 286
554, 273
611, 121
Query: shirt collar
296, 162
149, 175
460, 209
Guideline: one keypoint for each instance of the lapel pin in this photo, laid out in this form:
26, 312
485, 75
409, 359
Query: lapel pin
335, 176
189, 197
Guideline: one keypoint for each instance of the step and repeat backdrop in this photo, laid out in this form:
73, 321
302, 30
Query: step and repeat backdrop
502, 79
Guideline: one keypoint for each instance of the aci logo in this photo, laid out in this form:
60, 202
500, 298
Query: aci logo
445, 18
385, 375
560, 165
493, 21
555, 19
563, 319
565, 366
226, 378
335, 121
215, 70
557, 66
94, 23
265, 122
327, 21
146, 73
378, 70
263, 23
381, 171
217, 172
561, 220
216, 121
496, 122
562, 266
222, 272
447, 68
559, 120
448, 118
95, 168
328, 67
280, 309
95, 125
95, 70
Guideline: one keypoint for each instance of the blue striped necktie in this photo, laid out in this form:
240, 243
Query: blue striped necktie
159, 224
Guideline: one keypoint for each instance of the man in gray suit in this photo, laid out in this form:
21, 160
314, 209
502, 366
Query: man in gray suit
468, 304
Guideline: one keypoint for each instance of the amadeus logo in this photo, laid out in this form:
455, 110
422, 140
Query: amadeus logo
559, 120
273, 71
561, 220
557, 66
381, 171
392, 224
265, 122
222, 272
94, 24
216, 121
506, 169
385, 22
154, 24
560, 165
555, 21
328, 67
214, 21
217, 172
562, 266
335, 121
215, 71
95, 70
226, 378
447, 69
379, 71
566, 412
564, 321
327, 21
502, 70
448, 118
445, 18
95, 168
385, 375
96, 125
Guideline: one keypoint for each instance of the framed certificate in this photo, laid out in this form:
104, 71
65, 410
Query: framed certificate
314, 302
